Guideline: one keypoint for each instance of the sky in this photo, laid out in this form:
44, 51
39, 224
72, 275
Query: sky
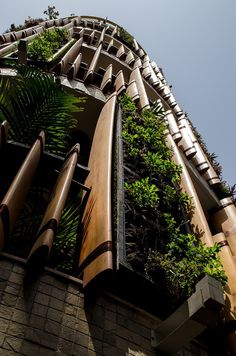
192, 40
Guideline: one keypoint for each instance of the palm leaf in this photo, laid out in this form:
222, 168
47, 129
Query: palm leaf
31, 101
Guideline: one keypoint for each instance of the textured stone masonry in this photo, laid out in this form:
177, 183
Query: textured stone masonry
52, 317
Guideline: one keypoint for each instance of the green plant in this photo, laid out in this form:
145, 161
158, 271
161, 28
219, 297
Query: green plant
143, 193
159, 241
63, 251
44, 45
126, 36
31, 101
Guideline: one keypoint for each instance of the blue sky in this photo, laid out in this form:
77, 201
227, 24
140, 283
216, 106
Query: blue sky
192, 40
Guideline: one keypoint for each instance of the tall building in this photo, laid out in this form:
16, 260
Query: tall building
109, 242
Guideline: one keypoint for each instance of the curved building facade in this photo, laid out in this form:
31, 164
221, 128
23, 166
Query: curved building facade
103, 306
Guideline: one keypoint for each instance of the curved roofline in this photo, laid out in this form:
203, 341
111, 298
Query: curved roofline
112, 23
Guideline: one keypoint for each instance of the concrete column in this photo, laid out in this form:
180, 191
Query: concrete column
22, 52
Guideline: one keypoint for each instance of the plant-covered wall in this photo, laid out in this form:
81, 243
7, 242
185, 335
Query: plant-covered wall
46, 44
125, 36
159, 241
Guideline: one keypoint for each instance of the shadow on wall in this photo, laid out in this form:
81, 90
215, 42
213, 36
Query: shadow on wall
51, 316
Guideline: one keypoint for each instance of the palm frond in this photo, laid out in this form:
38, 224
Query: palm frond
31, 101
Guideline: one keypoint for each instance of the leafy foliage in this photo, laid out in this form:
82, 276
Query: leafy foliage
143, 193
159, 242
126, 36
63, 251
30, 102
45, 45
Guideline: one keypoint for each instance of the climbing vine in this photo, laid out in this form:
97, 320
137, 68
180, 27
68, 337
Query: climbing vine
159, 241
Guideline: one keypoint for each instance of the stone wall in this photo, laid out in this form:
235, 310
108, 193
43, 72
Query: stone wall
52, 317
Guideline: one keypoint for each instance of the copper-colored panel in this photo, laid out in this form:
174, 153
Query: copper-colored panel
42, 24
153, 79
141, 53
5, 50
164, 91
130, 58
211, 176
136, 75
91, 38
3, 133
199, 159
132, 91
6, 37
100, 25
138, 63
14, 199
177, 110
135, 44
81, 33
101, 39
186, 142
75, 67
69, 57
58, 22
160, 75
198, 219
173, 127
93, 64
28, 32
146, 70
107, 78
38, 29
121, 53
76, 21
68, 26
96, 250
71, 31
146, 59
65, 21
119, 84
40, 251
227, 260
190, 131
18, 35
225, 220
155, 67
49, 23
110, 46
171, 100
114, 32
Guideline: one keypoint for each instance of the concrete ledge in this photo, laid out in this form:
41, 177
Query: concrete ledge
200, 311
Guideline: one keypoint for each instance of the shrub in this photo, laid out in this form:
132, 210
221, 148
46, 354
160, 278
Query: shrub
45, 44
125, 36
